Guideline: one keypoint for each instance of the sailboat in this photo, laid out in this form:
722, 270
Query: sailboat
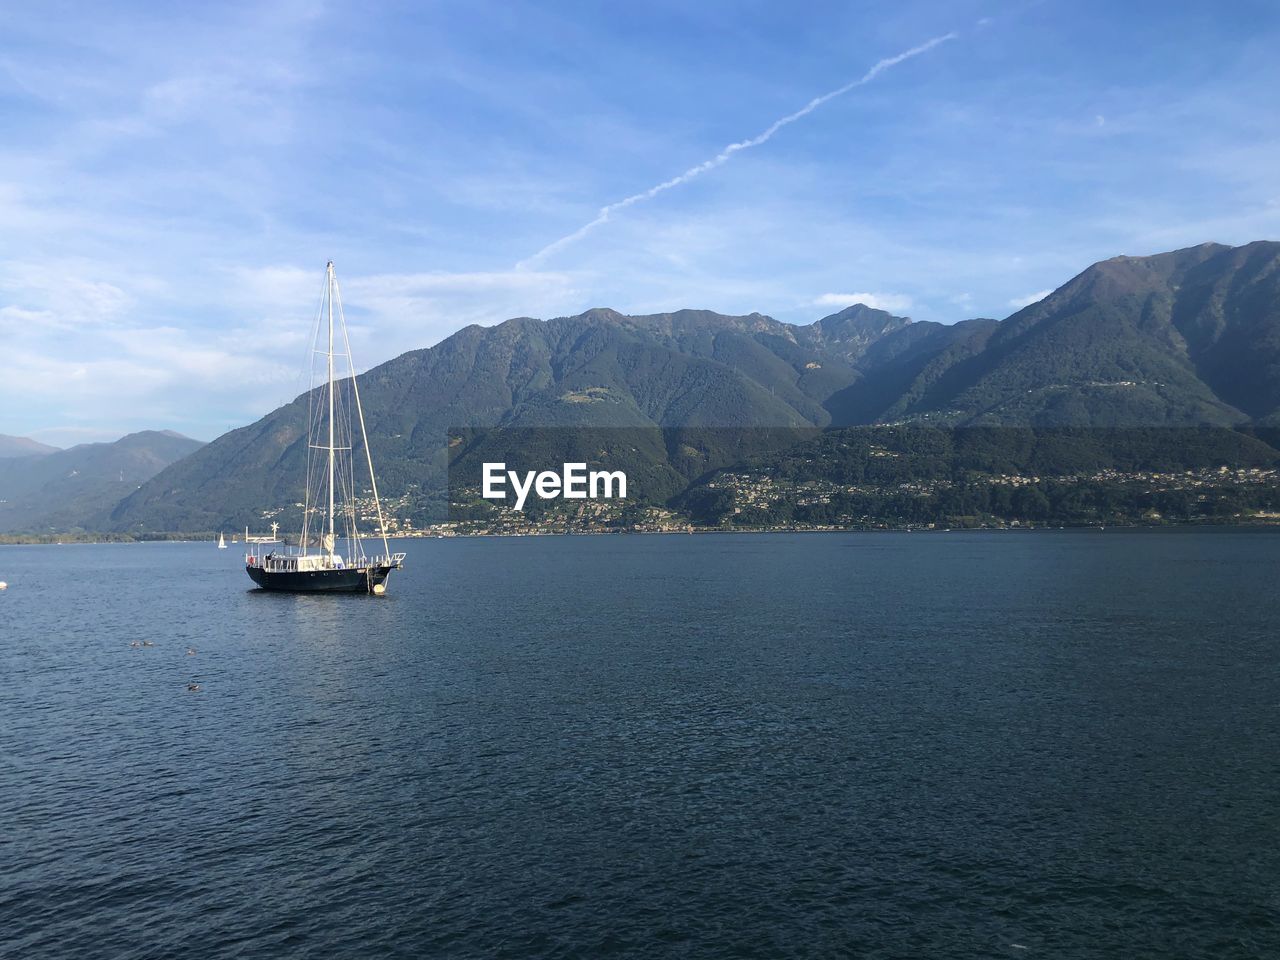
222, 542
330, 556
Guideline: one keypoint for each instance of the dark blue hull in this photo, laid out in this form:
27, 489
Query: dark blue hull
355, 580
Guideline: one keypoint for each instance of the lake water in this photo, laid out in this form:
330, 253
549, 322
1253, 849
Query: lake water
1058, 744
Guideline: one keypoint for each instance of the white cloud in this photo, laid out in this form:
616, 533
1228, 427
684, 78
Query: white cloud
1020, 302
878, 301
61, 294
76, 341
390, 313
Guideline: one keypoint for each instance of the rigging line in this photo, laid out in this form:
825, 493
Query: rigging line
346, 468
311, 383
343, 440
364, 436
329, 540
350, 515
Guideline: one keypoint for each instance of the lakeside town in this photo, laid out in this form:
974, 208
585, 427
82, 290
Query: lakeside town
764, 501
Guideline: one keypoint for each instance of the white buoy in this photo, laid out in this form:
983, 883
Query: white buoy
3, 585
379, 589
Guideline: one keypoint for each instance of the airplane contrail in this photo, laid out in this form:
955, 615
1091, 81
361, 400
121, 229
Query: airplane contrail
724, 155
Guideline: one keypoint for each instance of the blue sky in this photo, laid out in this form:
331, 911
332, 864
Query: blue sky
173, 180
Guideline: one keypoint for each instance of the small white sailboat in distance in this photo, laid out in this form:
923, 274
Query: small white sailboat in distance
222, 542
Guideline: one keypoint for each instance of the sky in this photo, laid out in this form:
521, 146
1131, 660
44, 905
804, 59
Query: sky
174, 177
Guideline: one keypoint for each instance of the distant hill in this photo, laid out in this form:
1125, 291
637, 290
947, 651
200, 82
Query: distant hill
1182, 338
1186, 338
22, 447
77, 488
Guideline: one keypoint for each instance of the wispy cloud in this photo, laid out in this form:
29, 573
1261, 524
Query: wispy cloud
75, 340
724, 155
1020, 302
877, 301
59, 291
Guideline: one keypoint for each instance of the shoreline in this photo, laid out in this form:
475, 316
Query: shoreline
1260, 525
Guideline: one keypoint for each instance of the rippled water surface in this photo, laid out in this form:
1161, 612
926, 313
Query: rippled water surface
1059, 744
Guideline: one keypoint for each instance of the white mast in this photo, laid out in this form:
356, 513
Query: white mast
330, 543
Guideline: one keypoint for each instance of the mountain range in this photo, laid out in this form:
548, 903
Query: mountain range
1190, 337
57, 490
22, 447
